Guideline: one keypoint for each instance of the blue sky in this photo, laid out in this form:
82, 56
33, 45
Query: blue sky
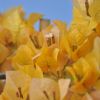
51, 9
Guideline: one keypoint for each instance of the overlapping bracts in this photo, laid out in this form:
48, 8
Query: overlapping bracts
54, 63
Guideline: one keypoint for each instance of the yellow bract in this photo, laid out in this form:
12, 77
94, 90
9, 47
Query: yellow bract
31, 71
4, 52
23, 56
47, 60
17, 86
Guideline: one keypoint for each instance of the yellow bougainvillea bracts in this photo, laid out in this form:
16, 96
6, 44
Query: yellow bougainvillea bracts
54, 63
